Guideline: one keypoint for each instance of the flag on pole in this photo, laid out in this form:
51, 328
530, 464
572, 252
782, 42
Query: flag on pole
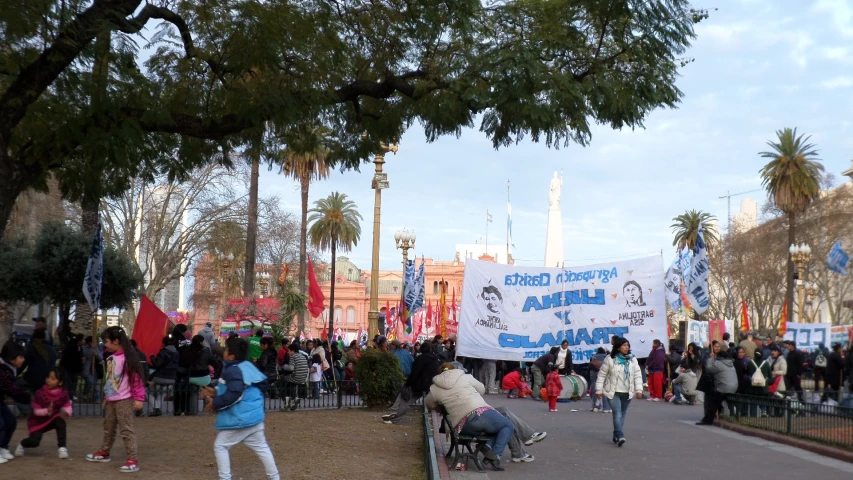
837, 259
389, 317
697, 275
744, 317
442, 310
315, 293
93, 280
420, 284
302, 336
429, 316
282, 277
783, 322
488, 216
509, 224
323, 335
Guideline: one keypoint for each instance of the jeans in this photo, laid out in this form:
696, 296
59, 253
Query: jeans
490, 423
8, 423
251, 437
520, 434
487, 374
538, 381
619, 403
603, 403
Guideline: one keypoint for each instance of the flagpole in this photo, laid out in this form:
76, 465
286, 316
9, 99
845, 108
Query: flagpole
509, 218
487, 231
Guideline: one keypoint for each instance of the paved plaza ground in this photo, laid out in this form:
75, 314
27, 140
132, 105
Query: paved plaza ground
329, 444
663, 442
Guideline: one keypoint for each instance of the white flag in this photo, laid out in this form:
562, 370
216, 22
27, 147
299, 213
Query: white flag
94, 272
696, 279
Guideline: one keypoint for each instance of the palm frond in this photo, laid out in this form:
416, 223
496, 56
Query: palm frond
792, 175
334, 220
686, 229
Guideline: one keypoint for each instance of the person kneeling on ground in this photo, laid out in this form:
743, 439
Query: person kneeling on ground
424, 368
515, 385
239, 405
462, 397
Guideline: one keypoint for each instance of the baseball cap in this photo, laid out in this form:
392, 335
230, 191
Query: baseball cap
208, 324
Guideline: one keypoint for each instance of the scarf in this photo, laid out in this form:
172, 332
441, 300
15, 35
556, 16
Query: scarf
625, 361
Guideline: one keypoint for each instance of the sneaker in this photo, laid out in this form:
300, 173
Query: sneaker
657, 400
6, 454
389, 416
100, 456
596, 410
620, 442
3, 460
607, 411
130, 466
155, 413
527, 458
63, 452
536, 437
553, 409
19, 451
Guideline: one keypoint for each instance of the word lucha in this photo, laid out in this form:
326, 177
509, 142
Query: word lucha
564, 299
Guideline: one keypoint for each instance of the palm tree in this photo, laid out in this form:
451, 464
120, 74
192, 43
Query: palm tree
304, 159
334, 224
792, 180
686, 229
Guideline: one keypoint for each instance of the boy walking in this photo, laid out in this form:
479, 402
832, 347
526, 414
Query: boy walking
239, 405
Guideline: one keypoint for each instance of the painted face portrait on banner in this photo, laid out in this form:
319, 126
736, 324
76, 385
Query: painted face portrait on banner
492, 299
633, 293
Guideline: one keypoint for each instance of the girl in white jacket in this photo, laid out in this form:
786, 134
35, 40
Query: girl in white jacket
620, 380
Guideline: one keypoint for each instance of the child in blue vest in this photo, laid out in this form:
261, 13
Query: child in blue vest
239, 405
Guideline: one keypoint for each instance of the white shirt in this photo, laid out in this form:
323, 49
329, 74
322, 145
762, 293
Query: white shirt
561, 357
316, 373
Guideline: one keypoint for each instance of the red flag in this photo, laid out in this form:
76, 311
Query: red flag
442, 310
783, 322
323, 335
429, 316
744, 320
315, 294
150, 327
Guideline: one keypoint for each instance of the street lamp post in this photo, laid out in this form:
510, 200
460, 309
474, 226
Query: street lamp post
380, 182
264, 282
405, 241
800, 255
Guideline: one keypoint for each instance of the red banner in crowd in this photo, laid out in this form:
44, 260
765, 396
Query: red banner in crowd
150, 327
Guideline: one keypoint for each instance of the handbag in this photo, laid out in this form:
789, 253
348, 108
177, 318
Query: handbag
820, 361
758, 379
595, 363
778, 385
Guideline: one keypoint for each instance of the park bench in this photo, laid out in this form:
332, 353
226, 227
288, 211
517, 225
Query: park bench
461, 445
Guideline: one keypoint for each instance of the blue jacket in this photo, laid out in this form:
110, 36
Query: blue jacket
239, 400
406, 360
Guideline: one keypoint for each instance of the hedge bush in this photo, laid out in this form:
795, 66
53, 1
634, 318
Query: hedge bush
379, 377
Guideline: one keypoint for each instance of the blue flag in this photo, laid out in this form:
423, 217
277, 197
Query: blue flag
94, 272
410, 289
837, 259
696, 278
421, 287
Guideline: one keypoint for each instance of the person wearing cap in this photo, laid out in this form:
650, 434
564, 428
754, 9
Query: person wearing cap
208, 335
406, 359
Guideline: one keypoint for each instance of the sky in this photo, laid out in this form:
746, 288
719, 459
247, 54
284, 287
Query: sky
760, 65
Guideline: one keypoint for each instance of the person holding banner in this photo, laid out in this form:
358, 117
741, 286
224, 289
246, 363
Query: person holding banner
620, 380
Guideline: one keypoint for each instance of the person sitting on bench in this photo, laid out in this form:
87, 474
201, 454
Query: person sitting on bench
462, 398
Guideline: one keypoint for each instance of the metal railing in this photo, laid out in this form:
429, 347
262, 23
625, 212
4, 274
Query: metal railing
430, 458
830, 424
183, 398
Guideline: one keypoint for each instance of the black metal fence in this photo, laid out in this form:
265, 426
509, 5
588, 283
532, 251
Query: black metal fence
830, 424
184, 398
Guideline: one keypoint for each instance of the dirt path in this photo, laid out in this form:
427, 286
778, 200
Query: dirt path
328, 444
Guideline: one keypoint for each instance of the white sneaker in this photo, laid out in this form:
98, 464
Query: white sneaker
63, 452
19, 451
527, 458
536, 437
6, 454
3, 460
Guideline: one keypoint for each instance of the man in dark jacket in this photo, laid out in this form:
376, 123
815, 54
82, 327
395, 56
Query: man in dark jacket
540, 369
40, 358
834, 372
795, 369
655, 365
424, 368
72, 363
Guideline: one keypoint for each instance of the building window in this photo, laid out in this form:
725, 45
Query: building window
212, 284
211, 312
435, 288
350, 316
339, 313
396, 289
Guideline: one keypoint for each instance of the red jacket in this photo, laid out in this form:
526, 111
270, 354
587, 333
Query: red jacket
553, 384
512, 380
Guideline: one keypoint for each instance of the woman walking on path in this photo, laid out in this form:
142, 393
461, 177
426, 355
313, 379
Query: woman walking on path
619, 380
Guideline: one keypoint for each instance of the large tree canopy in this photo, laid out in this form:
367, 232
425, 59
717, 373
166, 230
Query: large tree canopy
185, 79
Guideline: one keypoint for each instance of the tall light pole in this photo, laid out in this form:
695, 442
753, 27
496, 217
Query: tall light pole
380, 182
800, 255
729, 301
405, 241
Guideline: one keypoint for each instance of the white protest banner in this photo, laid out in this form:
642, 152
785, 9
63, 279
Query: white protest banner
840, 334
698, 332
808, 336
519, 313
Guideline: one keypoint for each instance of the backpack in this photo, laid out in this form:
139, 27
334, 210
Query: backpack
820, 361
758, 379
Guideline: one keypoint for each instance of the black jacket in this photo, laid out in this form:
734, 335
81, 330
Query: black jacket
743, 380
834, 369
424, 368
542, 362
795, 364
72, 359
267, 363
165, 363
201, 361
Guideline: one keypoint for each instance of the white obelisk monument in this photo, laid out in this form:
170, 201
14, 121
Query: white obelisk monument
554, 234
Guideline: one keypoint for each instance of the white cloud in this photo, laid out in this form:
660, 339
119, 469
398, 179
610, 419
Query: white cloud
834, 53
837, 82
723, 35
840, 12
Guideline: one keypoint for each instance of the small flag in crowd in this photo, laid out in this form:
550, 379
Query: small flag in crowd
315, 293
783, 322
837, 259
744, 320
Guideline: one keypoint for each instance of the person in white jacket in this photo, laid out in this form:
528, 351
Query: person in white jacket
462, 397
620, 380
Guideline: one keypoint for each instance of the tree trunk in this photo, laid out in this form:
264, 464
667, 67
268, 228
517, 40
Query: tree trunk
305, 183
10, 188
332, 298
789, 292
252, 226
